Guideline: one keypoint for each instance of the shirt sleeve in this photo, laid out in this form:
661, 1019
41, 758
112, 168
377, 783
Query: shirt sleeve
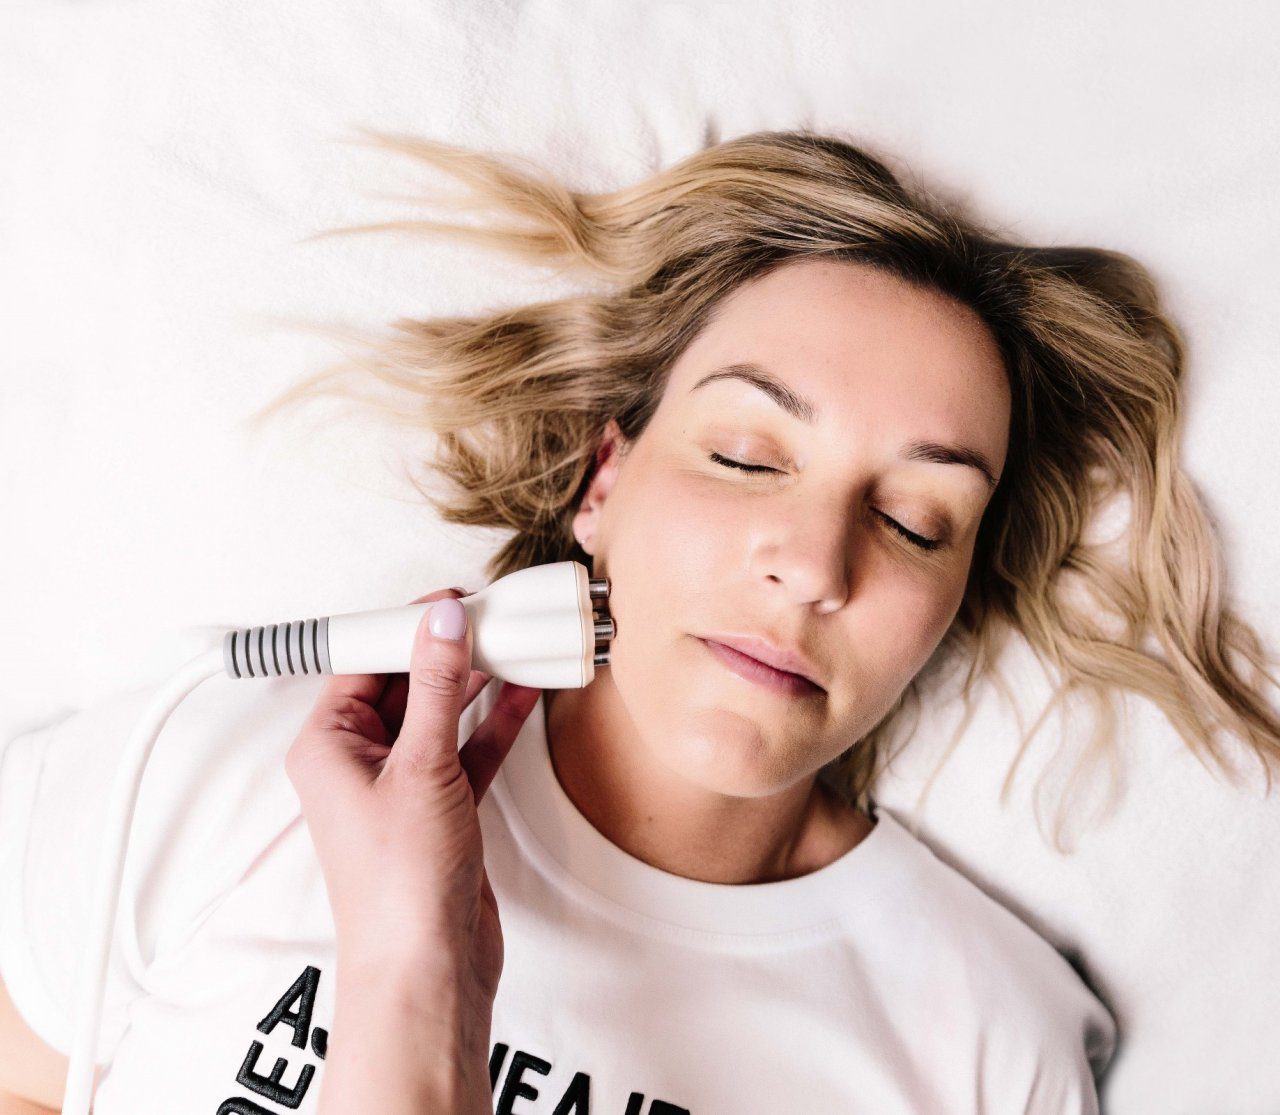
1060, 1086
1049, 1064
213, 795
54, 784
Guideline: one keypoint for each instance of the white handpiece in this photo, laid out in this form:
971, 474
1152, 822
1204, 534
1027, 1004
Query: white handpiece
532, 627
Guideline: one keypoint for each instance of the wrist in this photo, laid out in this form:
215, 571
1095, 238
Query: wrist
434, 993
413, 1036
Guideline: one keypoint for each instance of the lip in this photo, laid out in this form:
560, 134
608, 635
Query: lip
786, 661
752, 669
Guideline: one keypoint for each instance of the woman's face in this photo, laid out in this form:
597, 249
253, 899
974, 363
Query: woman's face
806, 557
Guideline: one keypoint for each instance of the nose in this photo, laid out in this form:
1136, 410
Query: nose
812, 555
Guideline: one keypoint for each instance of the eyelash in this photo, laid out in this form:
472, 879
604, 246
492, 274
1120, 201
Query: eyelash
915, 539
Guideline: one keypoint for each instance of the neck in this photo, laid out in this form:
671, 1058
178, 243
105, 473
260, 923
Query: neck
650, 812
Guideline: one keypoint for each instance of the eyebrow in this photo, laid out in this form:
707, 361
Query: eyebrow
807, 412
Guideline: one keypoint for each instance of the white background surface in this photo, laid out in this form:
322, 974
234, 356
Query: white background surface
161, 162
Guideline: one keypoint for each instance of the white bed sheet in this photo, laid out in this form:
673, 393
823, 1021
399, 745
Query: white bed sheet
161, 163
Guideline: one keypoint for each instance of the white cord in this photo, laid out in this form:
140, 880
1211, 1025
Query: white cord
78, 1097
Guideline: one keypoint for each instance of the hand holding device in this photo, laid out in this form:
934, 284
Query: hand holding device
390, 802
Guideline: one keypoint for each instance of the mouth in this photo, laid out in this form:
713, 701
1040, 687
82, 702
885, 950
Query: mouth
753, 670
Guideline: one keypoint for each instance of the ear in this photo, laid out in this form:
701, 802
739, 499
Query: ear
610, 453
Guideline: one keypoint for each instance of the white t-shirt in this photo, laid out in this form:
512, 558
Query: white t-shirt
885, 982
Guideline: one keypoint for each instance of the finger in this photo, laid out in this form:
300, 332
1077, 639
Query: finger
490, 743
439, 672
339, 743
346, 718
339, 690
391, 704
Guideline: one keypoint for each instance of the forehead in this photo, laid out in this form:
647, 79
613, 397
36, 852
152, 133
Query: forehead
865, 347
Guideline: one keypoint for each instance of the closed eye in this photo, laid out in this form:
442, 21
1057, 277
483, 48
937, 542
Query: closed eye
915, 539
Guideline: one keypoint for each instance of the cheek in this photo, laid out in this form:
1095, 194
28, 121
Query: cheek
663, 552
913, 618
675, 534
667, 548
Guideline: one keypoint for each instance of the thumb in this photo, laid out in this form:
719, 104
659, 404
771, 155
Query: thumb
439, 670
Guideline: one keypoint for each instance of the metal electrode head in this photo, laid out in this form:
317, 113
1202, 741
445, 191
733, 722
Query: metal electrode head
604, 625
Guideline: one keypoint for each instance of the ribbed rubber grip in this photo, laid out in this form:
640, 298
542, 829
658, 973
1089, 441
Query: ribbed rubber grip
278, 649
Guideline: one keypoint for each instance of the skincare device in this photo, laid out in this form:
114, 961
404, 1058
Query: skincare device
546, 626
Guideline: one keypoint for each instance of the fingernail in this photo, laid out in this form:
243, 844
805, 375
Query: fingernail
448, 619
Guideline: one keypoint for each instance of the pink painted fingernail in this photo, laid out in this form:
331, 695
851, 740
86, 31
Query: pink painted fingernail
448, 619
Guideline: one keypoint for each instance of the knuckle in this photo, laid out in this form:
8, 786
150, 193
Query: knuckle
346, 714
509, 717
445, 677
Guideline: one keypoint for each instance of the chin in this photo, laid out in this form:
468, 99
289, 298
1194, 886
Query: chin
737, 764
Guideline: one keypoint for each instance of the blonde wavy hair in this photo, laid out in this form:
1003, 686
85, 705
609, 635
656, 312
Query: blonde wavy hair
517, 400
